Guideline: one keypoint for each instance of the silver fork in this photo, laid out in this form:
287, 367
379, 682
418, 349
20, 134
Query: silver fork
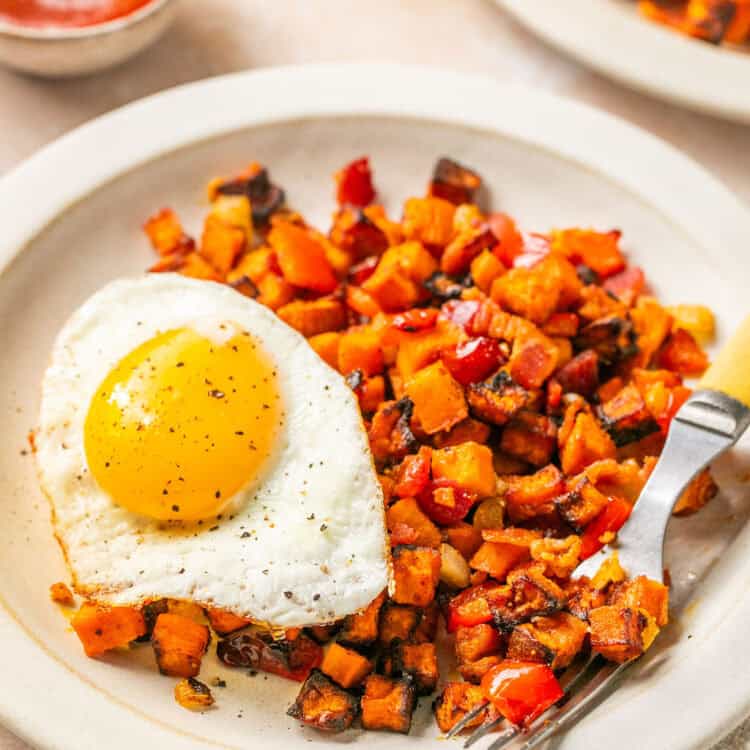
710, 422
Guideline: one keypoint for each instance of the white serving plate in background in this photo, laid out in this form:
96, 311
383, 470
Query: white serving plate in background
610, 36
70, 221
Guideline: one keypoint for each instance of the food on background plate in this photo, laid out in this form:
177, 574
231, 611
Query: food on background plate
715, 21
71, 14
516, 389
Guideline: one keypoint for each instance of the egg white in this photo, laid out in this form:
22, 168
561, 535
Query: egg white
307, 544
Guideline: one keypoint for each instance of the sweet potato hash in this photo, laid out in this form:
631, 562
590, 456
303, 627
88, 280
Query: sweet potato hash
516, 388
715, 21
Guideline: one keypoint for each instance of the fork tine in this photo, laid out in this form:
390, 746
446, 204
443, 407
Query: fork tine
570, 679
597, 688
459, 726
485, 728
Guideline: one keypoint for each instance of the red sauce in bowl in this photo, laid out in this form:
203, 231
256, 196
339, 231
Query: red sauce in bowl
66, 13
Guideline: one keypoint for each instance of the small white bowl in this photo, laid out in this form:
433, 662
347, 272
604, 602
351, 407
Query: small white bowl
62, 52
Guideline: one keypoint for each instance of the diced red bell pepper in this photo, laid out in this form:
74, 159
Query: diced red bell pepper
360, 272
461, 312
677, 397
445, 502
521, 691
581, 374
683, 354
354, 184
474, 360
509, 239
627, 284
611, 519
471, 607
414, 474
418, 319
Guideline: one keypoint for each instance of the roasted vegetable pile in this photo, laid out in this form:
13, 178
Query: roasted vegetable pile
715, 21
516, 388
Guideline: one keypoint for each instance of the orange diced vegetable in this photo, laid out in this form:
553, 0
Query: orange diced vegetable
102, 628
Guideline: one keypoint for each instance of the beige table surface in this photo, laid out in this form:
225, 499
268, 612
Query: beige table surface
212, 37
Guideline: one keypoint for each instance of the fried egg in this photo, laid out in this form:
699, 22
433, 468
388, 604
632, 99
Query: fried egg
193, 446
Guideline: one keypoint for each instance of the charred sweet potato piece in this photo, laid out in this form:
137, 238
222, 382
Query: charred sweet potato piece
438, 398
464, 248
532, 361
477, 641
292, 659
583, 596
101, 628
497, 400
323, 633
407, 512
224, 622
474, 671
313, 317
361, 629
388, 703
498, 558
455, 701
390, 433
416, 572
167, 235
553, 640
626, 418
454, 182
529, 496
419, 661
531, 437
193, 694
355, 233
428, 624
617, 632
586, 443
581, 503
532, 594
397, 622
470, 430
646, 594
345, 666
696, 494
254, 182
179, 644
324, 705
469, 465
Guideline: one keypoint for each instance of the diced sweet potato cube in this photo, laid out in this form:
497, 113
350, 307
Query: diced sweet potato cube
179, 644
474, 671
324, 633
617, 632
360, 349
397, 622
531, 437
497, 400
682, 353
696, 494
532, 595
357, 235
497, 559
312, 317
326, 346
167, 235
418, 660
101, 628
416, 572
361, 629
587, 443
485, 268
532, 293
302, 259
528, 496
599, 251
221, 243
477, 641
417, 350
324, 705
652, 324
533, 360
390, 433
465, 247
391, 288
438, 399
224, 622
465, 537
429, 220
456, 700
583, 597
646, 594
428, 624
345, 666
469, 465
553, 640
275, 291
625, 416
467, 430
581, 503
408, 513
388, 703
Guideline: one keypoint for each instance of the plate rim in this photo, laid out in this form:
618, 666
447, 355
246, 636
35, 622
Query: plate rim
615, 59
143, 133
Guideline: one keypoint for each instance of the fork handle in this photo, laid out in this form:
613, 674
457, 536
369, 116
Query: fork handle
730, 371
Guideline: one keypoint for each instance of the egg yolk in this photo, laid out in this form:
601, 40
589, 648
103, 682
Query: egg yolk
183, 423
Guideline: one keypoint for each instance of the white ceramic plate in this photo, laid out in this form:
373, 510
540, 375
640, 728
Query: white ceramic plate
71, 221
610, 36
